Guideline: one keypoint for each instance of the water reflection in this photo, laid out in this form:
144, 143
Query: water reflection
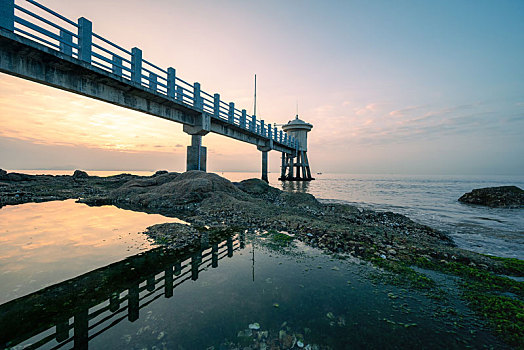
45, 243
79, 309
295, 186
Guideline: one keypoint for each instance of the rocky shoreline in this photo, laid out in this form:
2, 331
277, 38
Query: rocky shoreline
209, 202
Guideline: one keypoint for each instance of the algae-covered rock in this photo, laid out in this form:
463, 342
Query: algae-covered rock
495, 197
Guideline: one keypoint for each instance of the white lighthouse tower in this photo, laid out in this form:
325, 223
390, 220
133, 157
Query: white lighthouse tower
295, 167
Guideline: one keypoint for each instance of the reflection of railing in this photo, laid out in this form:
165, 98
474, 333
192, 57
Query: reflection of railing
92, 303
77, 40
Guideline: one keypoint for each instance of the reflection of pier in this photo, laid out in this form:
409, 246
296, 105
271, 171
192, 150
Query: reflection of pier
79, 309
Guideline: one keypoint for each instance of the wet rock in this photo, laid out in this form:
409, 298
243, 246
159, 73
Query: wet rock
80, 174
495, 197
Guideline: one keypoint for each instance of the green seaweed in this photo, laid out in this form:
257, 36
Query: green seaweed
514, 267
482, 291
505, 314
280, 238
406, 274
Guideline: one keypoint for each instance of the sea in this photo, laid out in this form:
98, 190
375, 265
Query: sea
74, 276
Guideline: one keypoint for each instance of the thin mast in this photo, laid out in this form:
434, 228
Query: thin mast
255, 107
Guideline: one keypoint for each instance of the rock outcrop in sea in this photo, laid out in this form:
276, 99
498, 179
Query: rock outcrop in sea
495, 197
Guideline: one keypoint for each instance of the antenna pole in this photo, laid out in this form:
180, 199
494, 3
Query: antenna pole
255, 107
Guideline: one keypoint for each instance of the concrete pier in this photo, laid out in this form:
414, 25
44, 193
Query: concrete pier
75, 66
264, 166
196, 154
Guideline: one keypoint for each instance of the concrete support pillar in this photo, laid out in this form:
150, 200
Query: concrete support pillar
264, 166
196, 154
291, 167
283, 167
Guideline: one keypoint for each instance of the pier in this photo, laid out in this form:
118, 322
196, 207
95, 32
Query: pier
39, 44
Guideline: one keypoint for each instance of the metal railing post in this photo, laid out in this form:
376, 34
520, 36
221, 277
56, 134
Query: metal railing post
85, 39
262, 131
216, 105
269, 130
171, 82
7, 14
117, 65
66, 39
254, 123
136, 65
180, 93
196, 96
152, 81
243, 119
231, 113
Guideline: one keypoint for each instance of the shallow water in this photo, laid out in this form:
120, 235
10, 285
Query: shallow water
193, 300
45, 243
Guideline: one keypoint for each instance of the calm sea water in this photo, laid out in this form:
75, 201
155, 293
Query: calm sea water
78, 276
429, 200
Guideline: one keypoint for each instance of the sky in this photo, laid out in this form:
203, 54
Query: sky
394, 87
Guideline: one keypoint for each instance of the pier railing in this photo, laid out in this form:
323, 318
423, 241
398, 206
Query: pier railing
77, 39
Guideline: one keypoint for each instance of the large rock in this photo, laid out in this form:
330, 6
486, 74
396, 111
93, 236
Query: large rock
170, 190
495, 197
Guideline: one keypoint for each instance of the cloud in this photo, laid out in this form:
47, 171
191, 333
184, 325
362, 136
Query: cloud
371, 107
404, 111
